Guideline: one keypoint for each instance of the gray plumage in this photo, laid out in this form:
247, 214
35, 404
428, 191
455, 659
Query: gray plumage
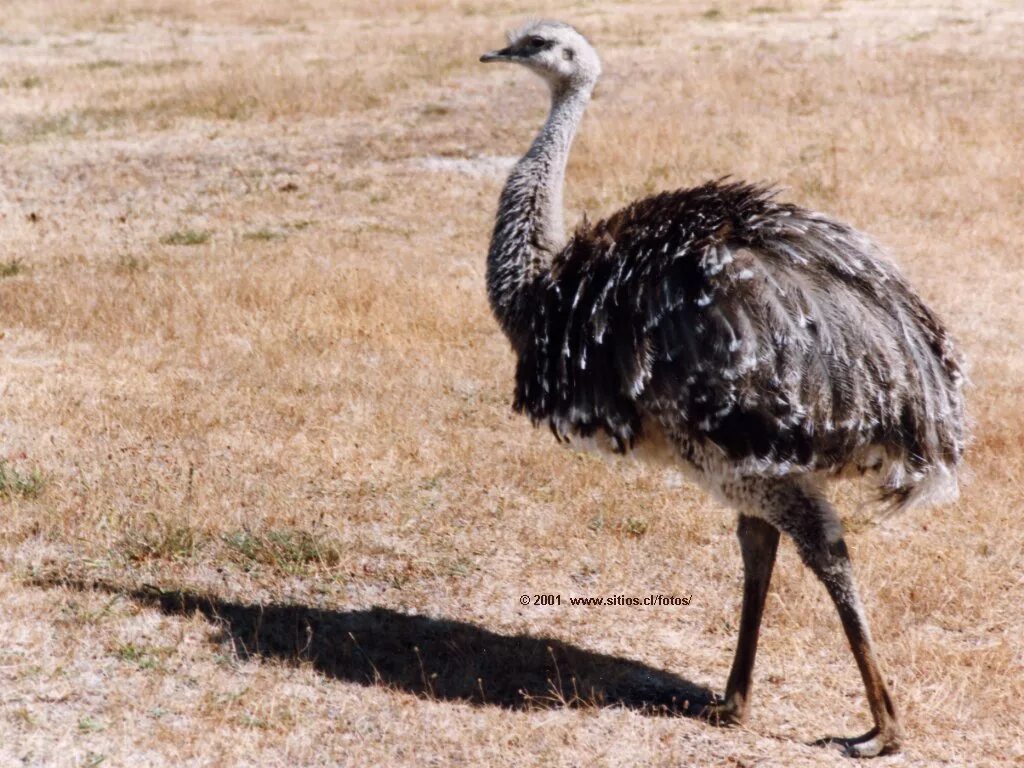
770, 335
783, 340
768, 346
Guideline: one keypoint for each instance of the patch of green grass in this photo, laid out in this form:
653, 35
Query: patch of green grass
163, 67
817, 187
16, 482
436, 110
75, 614
268, 234
264, 234
161, 541
288, 549
215, 105
187, 237
32, 81
75, 123
251, 721
634, 526
711, 14
11, 267
47, 125
450, 566
354, 185
22, 717
102, 64
88, 724
130, 653
128, 263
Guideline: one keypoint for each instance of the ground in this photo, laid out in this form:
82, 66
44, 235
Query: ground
263, 500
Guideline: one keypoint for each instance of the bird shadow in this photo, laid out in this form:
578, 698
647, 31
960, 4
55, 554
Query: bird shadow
432, 658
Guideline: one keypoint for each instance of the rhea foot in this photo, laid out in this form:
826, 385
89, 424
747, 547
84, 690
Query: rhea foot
732, 711
874, 743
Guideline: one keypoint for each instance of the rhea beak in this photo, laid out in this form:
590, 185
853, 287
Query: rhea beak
505, 54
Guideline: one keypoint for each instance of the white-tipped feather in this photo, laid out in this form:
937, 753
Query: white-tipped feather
766, 339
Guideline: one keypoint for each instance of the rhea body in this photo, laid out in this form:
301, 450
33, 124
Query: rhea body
770, 347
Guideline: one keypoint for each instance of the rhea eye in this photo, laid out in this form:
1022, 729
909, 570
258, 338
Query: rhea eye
537, 42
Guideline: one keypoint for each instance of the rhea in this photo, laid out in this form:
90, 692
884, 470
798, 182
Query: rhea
769, 346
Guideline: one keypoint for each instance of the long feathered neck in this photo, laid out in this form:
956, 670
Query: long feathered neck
530, 229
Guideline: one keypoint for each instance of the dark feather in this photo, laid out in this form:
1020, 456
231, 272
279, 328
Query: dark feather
778, 336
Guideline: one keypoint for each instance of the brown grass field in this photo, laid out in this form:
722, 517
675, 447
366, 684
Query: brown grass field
263, 500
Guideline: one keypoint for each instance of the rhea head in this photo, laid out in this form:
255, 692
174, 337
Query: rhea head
556, 52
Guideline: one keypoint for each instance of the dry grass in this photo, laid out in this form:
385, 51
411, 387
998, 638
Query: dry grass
247, 361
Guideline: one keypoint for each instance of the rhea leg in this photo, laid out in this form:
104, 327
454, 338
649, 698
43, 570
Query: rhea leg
759, 543
815, 528
836, 573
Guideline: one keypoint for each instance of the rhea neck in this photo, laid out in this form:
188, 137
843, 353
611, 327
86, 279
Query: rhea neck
530, 228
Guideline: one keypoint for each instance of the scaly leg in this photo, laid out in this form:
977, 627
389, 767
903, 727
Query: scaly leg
759, 543
815, 527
